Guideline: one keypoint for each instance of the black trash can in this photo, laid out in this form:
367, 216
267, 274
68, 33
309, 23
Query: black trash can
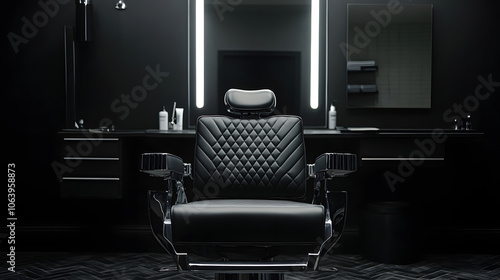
388, 233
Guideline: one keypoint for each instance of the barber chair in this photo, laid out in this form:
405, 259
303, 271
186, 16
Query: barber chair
250, 213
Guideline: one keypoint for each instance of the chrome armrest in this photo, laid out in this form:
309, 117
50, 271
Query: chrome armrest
162, 165
325, 168
335, 164
171, 168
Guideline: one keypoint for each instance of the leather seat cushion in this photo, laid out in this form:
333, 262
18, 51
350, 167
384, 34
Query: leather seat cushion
247, 221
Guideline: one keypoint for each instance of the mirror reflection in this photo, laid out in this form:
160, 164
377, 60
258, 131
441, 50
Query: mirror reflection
254, 44
389, 56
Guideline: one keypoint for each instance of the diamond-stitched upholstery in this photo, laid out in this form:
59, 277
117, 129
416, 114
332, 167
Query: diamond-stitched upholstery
249, 158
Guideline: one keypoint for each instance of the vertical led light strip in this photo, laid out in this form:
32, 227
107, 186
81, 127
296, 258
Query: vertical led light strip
314, 91
200, 53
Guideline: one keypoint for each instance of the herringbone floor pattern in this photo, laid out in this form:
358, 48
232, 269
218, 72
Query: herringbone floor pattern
147, 266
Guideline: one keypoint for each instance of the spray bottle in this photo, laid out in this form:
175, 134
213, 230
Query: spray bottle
163, 119
332, 118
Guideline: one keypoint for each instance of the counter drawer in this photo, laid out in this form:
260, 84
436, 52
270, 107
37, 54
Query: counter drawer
94, 167
91, 147
92, 187
389, 151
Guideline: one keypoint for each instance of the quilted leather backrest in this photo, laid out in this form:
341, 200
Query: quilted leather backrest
249, 158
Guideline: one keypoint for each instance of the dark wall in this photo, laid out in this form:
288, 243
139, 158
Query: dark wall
113, 68
148, 35
153, 34
33, 104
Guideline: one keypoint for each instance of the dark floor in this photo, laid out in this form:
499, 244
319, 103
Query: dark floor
147, 266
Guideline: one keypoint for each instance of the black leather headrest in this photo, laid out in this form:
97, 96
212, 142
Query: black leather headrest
250, 102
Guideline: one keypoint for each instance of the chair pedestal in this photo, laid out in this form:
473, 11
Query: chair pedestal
249, 276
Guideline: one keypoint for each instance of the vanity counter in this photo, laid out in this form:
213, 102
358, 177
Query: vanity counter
345, 132
308, 132
431, 168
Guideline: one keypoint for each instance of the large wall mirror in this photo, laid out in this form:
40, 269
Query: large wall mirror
255, 44
389, 56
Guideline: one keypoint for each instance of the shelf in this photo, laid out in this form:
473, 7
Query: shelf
362, 66
362, 89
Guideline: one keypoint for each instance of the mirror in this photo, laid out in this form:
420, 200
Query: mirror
389, 55
254, 44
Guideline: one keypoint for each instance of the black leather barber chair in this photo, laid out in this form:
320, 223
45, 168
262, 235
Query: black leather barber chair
251, 214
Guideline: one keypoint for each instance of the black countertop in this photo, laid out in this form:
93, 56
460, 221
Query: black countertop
310, 133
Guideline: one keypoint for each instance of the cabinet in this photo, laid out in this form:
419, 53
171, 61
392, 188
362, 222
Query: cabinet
94, 167
386, 151
437, 171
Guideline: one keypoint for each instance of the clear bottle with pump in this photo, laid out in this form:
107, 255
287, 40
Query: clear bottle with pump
332, 118
163, 119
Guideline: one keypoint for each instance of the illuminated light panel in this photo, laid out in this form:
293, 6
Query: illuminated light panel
200, 53
314, 91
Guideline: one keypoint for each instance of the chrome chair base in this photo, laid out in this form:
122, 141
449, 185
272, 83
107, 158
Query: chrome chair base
249, 276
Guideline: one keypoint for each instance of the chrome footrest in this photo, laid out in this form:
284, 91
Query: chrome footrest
249, 267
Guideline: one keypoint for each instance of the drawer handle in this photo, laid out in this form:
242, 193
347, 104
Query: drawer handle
400, 158
90, 139
91, 158
92, 178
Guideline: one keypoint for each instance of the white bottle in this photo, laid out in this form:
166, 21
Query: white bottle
179, 118
163, 119
332, 118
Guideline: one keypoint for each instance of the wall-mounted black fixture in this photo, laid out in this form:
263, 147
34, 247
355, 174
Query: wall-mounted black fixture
70, 74
84, 10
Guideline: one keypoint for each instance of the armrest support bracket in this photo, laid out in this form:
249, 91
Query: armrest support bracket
171, 168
